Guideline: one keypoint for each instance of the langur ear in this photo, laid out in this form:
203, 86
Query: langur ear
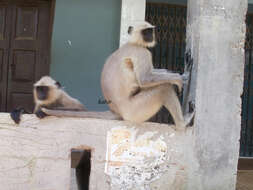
130, 29
58, 84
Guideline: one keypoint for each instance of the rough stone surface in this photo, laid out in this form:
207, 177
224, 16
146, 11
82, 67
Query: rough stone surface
36, 154
215, 36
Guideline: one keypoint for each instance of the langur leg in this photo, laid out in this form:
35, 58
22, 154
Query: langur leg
171, 102
142, 106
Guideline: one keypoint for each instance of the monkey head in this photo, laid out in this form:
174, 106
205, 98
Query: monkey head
46, 91
142, 34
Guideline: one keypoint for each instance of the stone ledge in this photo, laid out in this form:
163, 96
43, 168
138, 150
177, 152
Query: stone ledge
36, 153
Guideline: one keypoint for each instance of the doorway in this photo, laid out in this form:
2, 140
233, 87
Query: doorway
25, 35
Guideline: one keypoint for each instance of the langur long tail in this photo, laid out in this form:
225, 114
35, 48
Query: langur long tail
99, 115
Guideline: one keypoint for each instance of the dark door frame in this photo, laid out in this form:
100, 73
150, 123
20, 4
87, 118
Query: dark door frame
245, 163
49, 31
51, 26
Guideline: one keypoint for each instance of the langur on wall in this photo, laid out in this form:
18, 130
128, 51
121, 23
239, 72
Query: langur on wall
134, 89
48, 93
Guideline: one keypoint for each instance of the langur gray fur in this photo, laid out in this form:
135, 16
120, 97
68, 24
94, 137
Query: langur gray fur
48, 93
134, 89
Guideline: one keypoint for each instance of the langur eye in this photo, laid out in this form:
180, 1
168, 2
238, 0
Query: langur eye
58, 84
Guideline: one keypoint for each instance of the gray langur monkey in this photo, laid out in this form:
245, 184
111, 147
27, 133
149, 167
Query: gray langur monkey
134, 90
48, 93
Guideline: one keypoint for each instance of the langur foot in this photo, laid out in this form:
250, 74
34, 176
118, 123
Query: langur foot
188, 122
16, 114
40, 114
189, 119
180, 128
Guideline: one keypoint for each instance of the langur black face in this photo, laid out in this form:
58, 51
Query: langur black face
148, 34
42, 92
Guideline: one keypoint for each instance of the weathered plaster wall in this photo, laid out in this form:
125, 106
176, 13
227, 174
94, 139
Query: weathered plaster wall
215, 36
36, 154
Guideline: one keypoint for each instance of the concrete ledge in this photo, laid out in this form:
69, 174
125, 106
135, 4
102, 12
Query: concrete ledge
36, 153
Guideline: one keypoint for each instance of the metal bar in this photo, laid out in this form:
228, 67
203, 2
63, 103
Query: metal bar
164, 16
247, 140
160, 8
249, 115
173, 47
167, 40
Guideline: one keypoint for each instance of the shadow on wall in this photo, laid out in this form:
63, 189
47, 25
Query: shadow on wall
81, 162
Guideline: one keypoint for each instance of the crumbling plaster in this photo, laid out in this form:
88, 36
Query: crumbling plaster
36, 154
215, 38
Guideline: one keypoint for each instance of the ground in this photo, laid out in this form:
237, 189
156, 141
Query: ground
245, 180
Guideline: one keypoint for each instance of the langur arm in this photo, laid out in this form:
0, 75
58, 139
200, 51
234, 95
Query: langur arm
76, 109
148, 77
184, 76
37, 111
155, 78
99, 115
36, 108
72, 107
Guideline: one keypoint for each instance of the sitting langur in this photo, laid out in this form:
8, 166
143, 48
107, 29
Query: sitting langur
134, 89
49, 94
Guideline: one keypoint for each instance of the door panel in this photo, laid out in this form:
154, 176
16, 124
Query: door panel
23, 67
27, 23
29, 51
18, 99
5, 28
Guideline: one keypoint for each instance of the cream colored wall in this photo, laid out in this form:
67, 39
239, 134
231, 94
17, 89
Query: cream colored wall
35, 155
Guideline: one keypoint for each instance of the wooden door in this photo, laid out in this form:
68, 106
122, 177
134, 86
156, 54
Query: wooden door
5, 28
28, 47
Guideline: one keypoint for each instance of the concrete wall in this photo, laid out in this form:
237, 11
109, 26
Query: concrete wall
216, 37
85, 34
36, 154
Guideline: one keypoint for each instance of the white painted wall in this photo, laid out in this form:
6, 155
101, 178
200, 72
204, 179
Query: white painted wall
131, 11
